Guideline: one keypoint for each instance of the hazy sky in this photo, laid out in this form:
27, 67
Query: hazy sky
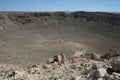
60, 5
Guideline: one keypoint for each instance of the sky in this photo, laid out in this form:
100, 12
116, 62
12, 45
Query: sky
60, 5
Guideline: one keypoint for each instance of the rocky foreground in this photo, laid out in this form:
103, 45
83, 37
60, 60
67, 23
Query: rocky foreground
80, 66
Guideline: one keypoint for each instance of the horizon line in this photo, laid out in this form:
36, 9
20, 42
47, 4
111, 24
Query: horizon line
60, 11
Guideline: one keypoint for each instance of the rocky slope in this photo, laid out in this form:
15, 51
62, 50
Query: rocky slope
87, 66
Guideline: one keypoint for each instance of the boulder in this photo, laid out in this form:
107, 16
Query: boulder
115, 63
109, 70
20, 75
35, 69
114, 76
95, 56
108, 77
61, 58
79, 53
64, 58
9, 74
50, 60
96, 74
45, 66
58, 58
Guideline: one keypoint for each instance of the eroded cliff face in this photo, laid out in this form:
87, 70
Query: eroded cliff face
101, 23
107, 24
31, 37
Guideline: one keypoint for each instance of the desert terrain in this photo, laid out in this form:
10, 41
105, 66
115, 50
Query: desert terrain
32, 37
